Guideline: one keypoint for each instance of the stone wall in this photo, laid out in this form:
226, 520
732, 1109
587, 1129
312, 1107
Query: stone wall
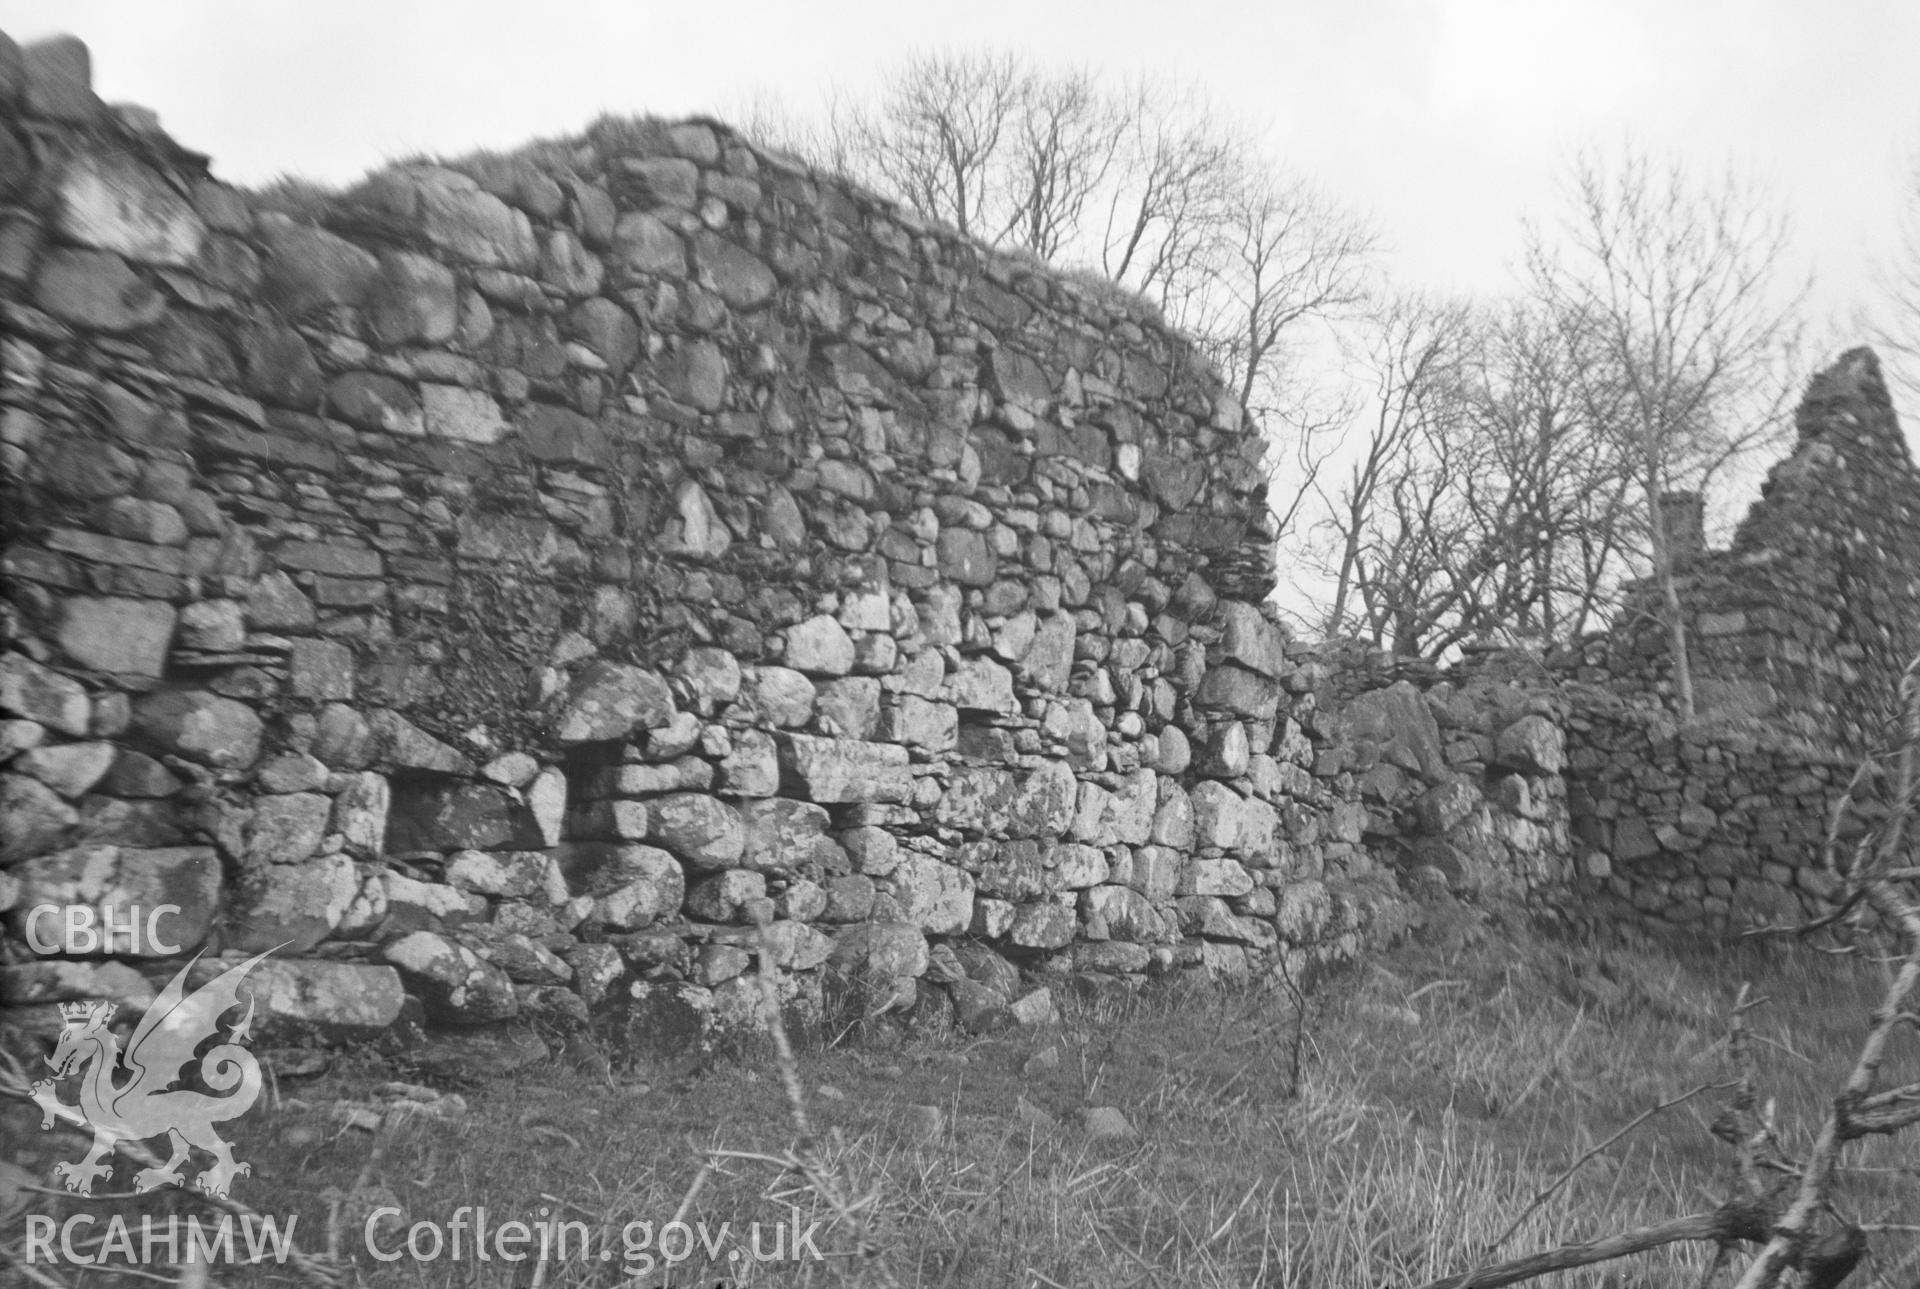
1570, 783
504, 585
1456, 776
1799, 632
1806, 620
1700, 825
539, 585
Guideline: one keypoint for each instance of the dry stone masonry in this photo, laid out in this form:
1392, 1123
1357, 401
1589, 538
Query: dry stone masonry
1711, 824
1807, 619
1799, 632
508, 586
540, 586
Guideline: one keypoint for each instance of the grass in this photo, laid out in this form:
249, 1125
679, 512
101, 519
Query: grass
304, 200
1386, 1137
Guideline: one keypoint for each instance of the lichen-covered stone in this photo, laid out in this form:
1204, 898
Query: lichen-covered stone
886, 950
1250, 640
737, 275
70, 769
188, 878
701, 534
458, 984
702, 830
60, 980
413, 905
293, 909
920, 723
119, 635
781, 696
374, 401
609, 700
832, 771
37, 693
308, 267
1400, 721
1215, 877
1232, 688
287, 827
1043, 804
514, 874
848, 707
111, 202
981, 685
783, 835
275, 603
96, 289
399, 742
199, 726
648, 246
725, 896
466, 415
454, 214
321, 669
460, 816
335, 1002
414, 299
1533, 745
33, 818
1075, 866
1126, 914
1045, 925
936, 897
819, 646
712, 677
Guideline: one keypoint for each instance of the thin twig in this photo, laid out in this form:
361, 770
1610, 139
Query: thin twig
1548, 1192
806, 1158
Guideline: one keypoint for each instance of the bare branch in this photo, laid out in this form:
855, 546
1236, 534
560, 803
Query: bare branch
1741, 1221
1673, 284
1547, 1192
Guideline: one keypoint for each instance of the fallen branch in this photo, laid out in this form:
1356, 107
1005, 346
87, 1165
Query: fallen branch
1553, 1187
1738, 1221
1779, 1202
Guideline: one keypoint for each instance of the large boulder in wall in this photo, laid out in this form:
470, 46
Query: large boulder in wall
1399, 720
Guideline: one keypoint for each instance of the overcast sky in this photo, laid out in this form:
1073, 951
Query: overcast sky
1445, 120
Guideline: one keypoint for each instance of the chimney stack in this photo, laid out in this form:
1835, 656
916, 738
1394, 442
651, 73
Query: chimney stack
1685, 517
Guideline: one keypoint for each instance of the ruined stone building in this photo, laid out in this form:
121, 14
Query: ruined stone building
539, 584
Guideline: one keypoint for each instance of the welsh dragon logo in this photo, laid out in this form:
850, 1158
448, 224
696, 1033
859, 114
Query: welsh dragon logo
146, 1105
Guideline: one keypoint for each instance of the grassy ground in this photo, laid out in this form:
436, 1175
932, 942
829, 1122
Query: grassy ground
1384, 1137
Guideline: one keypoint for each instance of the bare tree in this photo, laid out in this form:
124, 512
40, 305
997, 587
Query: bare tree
818, 138
1510, 472
1003, 152
1147, 183
1674, 286
1181, 174
938, 135
1569, 514
1288, 255
1284, 267
1417, 358
1313, 425
1066, 143
1485, 498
